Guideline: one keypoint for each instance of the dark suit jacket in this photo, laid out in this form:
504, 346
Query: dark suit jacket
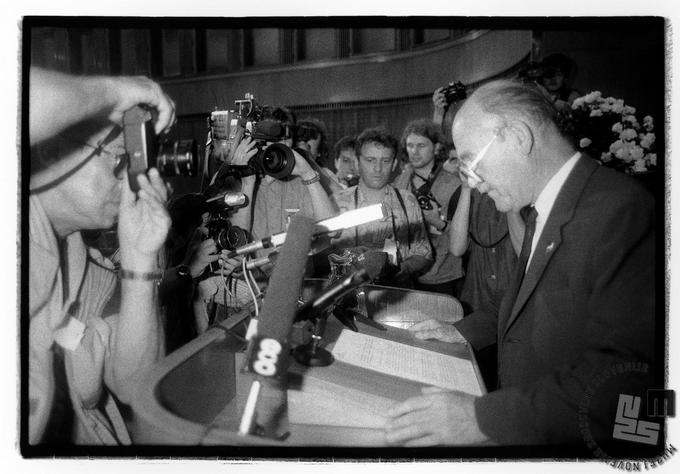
586, 305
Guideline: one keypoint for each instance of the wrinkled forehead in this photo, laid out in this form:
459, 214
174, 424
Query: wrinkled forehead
376, 150
471, 129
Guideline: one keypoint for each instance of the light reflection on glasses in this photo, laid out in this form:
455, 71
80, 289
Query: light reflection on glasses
467, 170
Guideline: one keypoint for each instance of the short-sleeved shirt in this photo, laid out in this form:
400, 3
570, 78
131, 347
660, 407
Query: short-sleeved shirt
403, 222
276, 201
446, 267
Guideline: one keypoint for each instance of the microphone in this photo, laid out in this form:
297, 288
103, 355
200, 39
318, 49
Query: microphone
267, 357
371, 267
345, 220
262, 261
229, 199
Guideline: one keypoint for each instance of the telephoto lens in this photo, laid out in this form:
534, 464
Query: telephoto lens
178, 158
278, 161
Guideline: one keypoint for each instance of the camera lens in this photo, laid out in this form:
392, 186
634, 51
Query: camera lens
424, 202
278, 161
178, 158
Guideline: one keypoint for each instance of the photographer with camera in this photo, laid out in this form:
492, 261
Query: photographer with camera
277, 200
82, 361
402, 232
437, 191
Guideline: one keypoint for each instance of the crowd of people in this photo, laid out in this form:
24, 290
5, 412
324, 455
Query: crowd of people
561, 296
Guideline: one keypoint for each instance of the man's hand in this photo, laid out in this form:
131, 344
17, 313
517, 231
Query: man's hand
439, 102
433, 217
245, 150
435, 329
200, 253
143, 222
230, 265
126, 92
302, 168
435, 418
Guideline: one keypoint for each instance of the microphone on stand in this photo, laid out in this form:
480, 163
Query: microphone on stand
371, 265
267, 358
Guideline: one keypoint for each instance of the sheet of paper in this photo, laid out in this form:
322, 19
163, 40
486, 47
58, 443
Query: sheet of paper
405, 361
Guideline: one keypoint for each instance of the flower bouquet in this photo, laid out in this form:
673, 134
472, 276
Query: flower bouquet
608, 130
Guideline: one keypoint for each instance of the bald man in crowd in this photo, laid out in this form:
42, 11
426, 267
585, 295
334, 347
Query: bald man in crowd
575, 330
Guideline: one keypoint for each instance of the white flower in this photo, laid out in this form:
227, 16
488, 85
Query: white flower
628, 110
617, 106
592, 97
628, 134
616, 146
596, 113
636, 153
578, 103
651, 158
604, 107
639, 166
617, 127
647, 140
606, 157
584, 142
630, 119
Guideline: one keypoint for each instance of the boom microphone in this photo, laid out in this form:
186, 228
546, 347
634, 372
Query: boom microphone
345, 220
268, 349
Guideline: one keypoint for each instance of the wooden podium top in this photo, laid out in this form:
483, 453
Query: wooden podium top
196, 395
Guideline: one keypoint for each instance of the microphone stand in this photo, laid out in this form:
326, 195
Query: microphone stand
311, 354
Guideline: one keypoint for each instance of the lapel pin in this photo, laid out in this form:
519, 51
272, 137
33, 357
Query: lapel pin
550, 247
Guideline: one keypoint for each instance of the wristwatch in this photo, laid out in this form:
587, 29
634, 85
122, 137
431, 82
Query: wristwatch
184, 273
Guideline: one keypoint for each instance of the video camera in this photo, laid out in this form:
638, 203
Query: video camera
145, 151
454, 92
229, 127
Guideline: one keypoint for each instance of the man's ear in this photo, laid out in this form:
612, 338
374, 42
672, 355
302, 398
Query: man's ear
523, 134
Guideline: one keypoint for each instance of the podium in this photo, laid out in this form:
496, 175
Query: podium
195, 396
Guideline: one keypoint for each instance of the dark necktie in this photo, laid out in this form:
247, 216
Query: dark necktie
529, 214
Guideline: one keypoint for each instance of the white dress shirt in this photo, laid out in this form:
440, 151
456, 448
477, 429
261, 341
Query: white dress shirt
546, 199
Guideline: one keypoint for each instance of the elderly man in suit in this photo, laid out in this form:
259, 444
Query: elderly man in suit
576, 329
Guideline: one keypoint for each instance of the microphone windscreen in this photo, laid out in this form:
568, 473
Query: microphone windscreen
281, 300
373, 262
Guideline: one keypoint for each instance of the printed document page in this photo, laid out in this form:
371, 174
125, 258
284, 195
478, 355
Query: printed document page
401, 360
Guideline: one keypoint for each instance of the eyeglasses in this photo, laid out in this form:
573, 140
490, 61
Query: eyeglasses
467, 169
120, 159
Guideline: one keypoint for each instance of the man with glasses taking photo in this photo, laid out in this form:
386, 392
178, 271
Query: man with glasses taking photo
580, 303
81, 364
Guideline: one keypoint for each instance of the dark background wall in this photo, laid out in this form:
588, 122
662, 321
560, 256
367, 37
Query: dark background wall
350, 74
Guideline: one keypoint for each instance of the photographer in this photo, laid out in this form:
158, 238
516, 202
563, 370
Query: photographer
276, 201
345, 161
437, 191
402, 233
82, 361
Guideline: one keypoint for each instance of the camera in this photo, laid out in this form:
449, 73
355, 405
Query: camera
424, 197
454, 92
228, 128
220, 207
145, 151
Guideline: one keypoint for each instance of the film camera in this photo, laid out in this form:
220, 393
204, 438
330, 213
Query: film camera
145, 151
454, 92
424, 197
228, 128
